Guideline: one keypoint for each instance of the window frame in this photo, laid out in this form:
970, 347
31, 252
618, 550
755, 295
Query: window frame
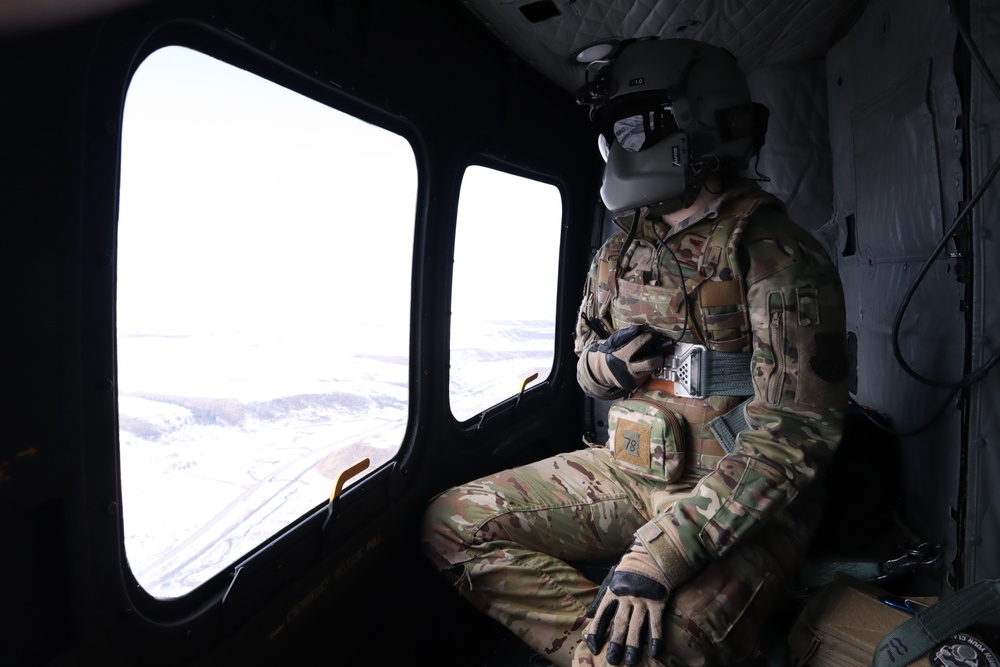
126, 43
479, 431
543, 385
397, 453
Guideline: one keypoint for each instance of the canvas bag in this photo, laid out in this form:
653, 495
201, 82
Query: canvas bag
851, 622
843, 625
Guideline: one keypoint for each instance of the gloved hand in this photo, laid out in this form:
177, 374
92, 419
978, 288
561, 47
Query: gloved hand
631, 600
627, 357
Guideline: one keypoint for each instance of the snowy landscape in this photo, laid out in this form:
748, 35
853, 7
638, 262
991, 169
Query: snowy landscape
226, 439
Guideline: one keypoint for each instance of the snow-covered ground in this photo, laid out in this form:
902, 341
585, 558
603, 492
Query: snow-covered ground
227, 438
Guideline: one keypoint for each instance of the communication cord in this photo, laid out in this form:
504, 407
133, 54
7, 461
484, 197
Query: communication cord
976, 375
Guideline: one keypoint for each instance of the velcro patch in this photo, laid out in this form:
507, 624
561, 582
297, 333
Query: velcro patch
632, 442
715, 293
807, 303
688, 252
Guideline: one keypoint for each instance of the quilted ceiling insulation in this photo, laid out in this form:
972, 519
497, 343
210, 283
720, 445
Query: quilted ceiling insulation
548, 33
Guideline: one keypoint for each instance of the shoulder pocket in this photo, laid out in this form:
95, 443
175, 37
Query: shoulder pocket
647, 438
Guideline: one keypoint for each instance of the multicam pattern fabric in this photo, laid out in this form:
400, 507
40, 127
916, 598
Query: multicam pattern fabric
732, 529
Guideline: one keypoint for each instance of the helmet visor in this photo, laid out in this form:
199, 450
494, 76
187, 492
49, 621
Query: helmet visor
638, 127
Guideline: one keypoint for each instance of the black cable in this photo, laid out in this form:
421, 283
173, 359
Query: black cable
627, 244
880, 425
974, 51
761, 178
974, 376
680, 271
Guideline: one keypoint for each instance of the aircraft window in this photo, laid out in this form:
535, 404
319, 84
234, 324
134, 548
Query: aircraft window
504, 288
264, 244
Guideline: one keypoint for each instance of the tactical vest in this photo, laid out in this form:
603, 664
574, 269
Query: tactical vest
642, 285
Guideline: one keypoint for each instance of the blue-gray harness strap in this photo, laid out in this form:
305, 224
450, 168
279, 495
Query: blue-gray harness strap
938, 622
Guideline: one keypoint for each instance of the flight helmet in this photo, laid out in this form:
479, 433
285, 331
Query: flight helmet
670, 112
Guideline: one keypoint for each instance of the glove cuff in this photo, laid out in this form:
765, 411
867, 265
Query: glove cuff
662, 551
590, 384
599, 368
638, 560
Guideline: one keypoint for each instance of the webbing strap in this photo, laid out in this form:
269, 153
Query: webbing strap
935, 624
698, 372
727, 374
727, 427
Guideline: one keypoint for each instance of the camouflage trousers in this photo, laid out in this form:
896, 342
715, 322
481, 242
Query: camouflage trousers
509, 542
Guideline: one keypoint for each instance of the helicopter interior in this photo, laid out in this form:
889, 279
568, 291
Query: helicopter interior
129, 242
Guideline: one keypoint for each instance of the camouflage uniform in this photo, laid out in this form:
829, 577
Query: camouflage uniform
726, 529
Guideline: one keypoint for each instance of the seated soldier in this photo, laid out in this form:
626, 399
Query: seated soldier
718, 324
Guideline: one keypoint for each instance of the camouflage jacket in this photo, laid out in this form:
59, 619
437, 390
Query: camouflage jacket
755, 283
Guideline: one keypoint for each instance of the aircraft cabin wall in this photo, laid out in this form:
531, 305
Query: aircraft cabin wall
909, 153
911, 148
898, 182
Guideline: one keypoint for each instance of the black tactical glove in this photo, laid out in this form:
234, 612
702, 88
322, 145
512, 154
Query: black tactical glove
631, 602
628, 357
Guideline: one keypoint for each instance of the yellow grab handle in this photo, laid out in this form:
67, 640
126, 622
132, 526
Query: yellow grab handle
344, 475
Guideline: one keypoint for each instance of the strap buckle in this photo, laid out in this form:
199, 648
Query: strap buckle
686, 369
927, 556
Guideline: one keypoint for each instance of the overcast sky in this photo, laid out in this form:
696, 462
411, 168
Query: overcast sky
241, 200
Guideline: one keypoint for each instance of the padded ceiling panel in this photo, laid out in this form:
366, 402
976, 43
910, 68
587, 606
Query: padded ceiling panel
546, 33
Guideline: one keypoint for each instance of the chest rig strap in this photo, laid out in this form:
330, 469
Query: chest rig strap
728, 427
698, 372
703, 369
